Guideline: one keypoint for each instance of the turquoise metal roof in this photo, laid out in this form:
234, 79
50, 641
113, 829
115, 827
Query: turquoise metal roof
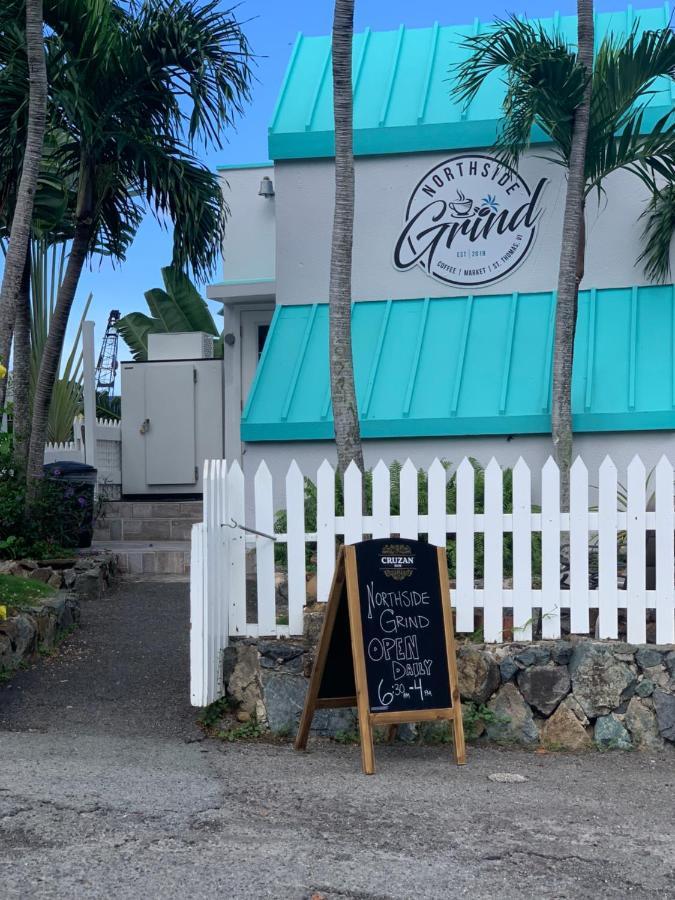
402, 87
470, 365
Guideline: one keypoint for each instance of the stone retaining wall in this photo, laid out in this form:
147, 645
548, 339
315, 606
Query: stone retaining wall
31, 630
561, 695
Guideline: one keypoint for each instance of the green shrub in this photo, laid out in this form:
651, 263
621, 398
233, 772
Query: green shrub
52, 525
423, 505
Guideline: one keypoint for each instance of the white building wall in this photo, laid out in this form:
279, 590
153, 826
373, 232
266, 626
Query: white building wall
249, 246
304, 203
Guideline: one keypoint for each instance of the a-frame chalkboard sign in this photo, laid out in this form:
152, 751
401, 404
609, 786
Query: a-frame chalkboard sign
387, 645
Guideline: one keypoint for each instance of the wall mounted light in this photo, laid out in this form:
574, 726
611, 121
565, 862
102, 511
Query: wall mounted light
266, 188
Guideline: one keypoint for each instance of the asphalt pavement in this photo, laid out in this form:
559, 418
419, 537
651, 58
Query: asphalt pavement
108, 789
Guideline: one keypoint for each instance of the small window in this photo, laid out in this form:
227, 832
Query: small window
262, 337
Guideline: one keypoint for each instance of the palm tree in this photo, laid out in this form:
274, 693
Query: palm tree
14, 291
343, 393
548, 86
136, 89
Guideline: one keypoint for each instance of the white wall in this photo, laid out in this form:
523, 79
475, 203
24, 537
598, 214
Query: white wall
249, 246
535, 449
304, 205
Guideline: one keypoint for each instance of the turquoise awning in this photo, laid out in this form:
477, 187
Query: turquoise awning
402, 89
472, 365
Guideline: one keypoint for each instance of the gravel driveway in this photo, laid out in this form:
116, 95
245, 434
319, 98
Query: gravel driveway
107, 790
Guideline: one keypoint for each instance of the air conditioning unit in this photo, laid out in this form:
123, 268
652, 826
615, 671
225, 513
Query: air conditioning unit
180, 345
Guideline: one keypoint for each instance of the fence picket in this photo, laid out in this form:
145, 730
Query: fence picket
436, 488
493, 553
264, 550
522, 552
408, 521
550, 550
295, 530
578, 553
381, 501
236, 540
636, 600
353, 494
199, 688
464, 547
325, 530
665, 607
608, 625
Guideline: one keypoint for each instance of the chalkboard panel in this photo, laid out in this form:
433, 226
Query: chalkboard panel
338, 675
403, 626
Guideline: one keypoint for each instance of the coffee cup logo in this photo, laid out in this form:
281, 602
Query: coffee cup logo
470, 221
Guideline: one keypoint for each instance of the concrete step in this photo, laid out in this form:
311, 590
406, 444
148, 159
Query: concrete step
149, 557
143, 529
121, 520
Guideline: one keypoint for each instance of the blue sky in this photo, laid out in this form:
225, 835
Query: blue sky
271, 26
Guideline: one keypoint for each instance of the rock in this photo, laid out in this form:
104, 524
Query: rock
69, 578
89, 584
280, 650
642, 724
561, 652
533, 656
512, 721
598, 680
645, 688
507, 778
243, 716
564, 731
21, 633
658, 675
478, 674
611, 735
313, 616
664, 704
284, 698
244, 685
669, 660
42, 575
544, 686
646, 657
571, 703
508, 668
55, 580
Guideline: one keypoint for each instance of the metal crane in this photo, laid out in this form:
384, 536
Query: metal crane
106, 368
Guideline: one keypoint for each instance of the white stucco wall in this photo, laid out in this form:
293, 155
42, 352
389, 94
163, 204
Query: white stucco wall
304, 205
249, 246
535, 450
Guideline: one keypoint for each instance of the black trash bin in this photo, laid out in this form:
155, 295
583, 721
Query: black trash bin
79, 484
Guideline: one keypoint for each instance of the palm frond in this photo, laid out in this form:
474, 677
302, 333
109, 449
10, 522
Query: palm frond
659, 226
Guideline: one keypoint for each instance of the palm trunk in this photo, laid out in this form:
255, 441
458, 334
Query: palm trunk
5, 351
19, 238
343, 393
21, 370
571, 264
51, 354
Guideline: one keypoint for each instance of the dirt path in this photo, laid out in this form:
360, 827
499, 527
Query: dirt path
124, 671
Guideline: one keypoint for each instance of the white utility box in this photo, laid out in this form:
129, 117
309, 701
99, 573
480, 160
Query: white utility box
180, 345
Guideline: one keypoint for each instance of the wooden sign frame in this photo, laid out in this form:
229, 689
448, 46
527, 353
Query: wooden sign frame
346, 571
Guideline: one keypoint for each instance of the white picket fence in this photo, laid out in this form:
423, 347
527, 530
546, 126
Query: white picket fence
612, 520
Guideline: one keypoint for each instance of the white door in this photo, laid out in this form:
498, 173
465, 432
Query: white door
169, 427
255, 324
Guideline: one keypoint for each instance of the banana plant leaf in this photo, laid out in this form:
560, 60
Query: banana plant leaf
135, 328
182, 292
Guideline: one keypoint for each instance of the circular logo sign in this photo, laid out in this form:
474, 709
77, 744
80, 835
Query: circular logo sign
470, 221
